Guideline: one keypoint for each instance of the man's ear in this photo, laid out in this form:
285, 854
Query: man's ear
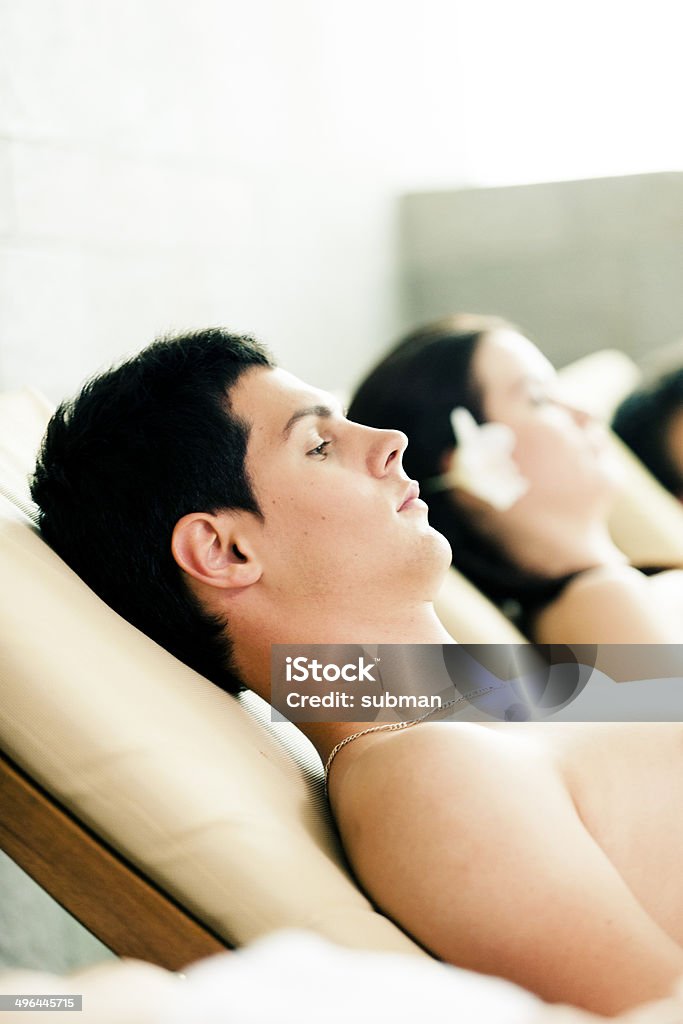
215, 549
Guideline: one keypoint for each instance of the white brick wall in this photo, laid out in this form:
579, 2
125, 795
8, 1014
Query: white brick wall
169, 165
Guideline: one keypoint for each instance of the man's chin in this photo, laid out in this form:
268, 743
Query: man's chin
435, 559
440, 543
445, 552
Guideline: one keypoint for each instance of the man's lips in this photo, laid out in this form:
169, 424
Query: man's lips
410, 495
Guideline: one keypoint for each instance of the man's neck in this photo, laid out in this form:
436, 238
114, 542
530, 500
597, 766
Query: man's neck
415, 623
416, 671
411, 624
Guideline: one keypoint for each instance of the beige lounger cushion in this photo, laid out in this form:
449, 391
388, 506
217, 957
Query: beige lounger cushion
471, 618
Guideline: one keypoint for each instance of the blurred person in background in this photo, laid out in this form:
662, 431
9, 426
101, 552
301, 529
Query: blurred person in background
650, 422
519, 481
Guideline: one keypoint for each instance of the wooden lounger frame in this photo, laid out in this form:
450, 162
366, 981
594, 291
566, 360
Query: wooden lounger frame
94, 883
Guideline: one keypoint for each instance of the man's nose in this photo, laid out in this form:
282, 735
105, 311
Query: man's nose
385, 451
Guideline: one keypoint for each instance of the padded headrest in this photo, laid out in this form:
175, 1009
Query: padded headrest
23, 416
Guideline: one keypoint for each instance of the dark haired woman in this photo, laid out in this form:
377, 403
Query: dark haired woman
520, 482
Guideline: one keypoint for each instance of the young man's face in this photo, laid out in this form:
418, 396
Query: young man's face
340, 515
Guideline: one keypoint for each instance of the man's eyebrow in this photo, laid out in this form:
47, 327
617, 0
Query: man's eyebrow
321, 411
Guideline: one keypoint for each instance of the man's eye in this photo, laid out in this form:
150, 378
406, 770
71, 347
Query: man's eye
321, 449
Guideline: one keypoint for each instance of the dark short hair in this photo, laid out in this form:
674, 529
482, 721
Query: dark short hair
414, 388
140, 446
643, 421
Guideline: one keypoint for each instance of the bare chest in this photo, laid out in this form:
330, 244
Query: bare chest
626, 780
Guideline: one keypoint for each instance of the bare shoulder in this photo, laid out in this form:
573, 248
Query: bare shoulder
443, 774
469, 839
615, 604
